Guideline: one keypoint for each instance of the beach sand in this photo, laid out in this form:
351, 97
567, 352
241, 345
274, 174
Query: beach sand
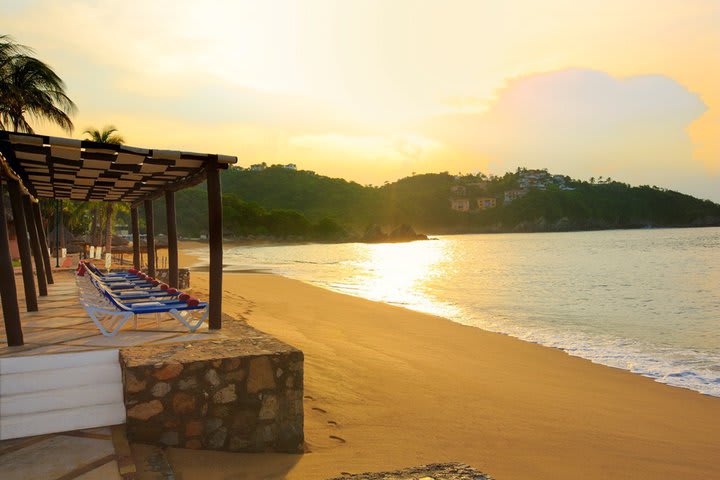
388, 388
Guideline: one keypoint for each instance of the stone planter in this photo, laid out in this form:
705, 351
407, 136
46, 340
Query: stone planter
243, 395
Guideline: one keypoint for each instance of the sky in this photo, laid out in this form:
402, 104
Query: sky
373, 91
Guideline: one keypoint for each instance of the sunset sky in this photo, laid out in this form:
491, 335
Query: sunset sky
376, 90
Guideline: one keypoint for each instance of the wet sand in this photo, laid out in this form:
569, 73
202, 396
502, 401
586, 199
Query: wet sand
388, 388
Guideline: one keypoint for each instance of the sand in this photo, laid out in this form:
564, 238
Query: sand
388, 388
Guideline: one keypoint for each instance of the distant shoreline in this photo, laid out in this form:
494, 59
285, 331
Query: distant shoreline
284, 242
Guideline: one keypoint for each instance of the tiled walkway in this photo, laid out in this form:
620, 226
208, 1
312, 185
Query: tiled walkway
83, 455
62, 326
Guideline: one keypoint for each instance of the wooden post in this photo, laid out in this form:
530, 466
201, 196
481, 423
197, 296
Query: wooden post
21, 232
150, 232
173, 271
57, 233
8, 292
43, 243
35, 246
215, 239
135, 236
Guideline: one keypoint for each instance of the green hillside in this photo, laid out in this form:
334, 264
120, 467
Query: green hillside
283, 203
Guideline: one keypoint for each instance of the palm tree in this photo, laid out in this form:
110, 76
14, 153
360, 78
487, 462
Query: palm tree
30, 88
109, 134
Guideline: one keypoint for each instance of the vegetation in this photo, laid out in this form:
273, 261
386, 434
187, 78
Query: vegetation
287, 205
282, 203
30, 88
109, 134
244, 219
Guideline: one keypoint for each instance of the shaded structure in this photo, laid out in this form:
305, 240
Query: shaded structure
37, 166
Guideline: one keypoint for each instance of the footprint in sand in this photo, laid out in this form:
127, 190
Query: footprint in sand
318, 409
334, 437
332, 422
309, 397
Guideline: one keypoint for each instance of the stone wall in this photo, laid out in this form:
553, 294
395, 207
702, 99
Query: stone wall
243, 395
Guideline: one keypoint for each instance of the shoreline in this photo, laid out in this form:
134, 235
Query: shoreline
401, 388
642, 363
447, 233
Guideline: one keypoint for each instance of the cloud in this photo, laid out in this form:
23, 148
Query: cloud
397, 148
393, 155
583, 122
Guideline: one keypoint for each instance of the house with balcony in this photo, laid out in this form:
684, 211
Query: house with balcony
460, 204
483, 203
512, 195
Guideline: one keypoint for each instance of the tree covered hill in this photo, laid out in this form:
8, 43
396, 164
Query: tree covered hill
279, 202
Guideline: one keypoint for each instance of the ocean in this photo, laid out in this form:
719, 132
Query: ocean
647, 301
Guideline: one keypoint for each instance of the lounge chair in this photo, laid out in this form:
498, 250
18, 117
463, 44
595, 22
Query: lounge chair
103, 303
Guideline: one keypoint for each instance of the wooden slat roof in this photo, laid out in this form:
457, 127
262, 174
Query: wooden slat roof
53, 167
7, 172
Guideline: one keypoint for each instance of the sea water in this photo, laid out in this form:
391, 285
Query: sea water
647, 301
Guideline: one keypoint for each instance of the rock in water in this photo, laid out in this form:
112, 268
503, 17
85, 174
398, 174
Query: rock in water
405, 233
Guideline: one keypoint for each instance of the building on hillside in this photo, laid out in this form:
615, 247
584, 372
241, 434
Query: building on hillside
458, 189
258, 167
512, 195
484, 203
460, 204
290, 166
481, 185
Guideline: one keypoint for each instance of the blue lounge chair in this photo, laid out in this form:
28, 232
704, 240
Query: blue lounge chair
102, 302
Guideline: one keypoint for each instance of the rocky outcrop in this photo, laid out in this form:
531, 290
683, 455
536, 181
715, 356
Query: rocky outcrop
403, 233
435, 471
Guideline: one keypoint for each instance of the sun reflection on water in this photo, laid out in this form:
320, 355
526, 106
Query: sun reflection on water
401, 273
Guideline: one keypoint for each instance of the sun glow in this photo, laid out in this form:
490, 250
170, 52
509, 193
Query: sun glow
332, 86
393, 271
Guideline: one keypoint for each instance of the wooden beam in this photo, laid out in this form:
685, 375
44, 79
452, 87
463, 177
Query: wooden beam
8, 292
35, 246
21, 232
187, 182
150, 233
173, 268
215, 239
135, 236
43, 242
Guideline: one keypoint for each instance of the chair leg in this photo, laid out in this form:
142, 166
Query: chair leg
119, 319
185, 315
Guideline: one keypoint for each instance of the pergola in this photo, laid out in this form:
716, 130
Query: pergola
37, 166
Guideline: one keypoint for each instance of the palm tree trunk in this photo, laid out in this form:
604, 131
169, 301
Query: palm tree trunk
94, 229
61, 232
108, 227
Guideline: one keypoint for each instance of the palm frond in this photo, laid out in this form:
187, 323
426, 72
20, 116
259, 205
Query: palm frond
30, 88
107, 135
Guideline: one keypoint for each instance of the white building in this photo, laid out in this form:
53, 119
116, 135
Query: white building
460, 204
511, 195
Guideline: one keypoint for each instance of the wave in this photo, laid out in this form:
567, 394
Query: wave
590, 295
678, 368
